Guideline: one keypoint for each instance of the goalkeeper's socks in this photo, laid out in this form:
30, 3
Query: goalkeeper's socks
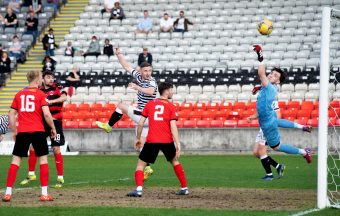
115, 117
266, 165
289, 149
297, 125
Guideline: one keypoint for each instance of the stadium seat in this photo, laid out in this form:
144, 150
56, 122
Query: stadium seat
226, 105
313, 122
96, 107
189, 124
222, 114
179, 124
216, 123
307, 105
239, 105
70, 107
186, 106
293, 105
123, 124
254, 123
85, 124
301, 121
303, 113
335, 104
213, 106
290, 113
71, 124
200, 106
84, 107
243, 123
230, 123
203, 123
109, 107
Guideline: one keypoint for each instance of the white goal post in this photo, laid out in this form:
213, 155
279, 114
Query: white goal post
327, 14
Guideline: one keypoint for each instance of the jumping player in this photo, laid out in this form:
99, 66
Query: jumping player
260, 150
162, 133
146, 88
267, 116
31, 107
55, 95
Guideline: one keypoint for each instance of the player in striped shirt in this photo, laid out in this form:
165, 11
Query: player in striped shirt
3, 126
55, 95
146, 88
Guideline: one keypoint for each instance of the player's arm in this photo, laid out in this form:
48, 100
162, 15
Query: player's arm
254, 116
175, 136
49, 120
138, 143
12, 115
148, 91
262, 69
123, 62
61, 99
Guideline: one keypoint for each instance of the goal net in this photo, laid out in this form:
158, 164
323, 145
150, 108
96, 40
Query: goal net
329, 111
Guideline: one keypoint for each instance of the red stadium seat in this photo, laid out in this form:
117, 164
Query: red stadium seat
226, 105
71, 124
90, 115
302, 121
82, 114
332, 121
290, 118
313, 122
331, 113
203, 123
109, 107
96, 107
216, 123
247, 113
239, 106
103, 119
213, 106
251, 105
133, 124
85, 124
315, 114
307, 105
200, 106
282, 105
123, 124
235, 114
243, 123
186, 106
230, 123
94, 125
303, 113
289, 113
179, 124
195, 114
316, 105
70, 107
208, 115
335, 104
177, 105
184, 114
68, 115
189, 124
293, 105
85, 107
337, 122
254, 123
222, 114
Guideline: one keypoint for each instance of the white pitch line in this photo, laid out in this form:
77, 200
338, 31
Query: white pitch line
306, 212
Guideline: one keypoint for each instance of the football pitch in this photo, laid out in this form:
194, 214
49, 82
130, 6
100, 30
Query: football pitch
218, 184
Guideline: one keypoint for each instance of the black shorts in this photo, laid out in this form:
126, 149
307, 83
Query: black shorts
60, 139
150, 151
23, 141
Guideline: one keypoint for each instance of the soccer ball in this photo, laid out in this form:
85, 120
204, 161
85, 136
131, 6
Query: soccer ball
265, 27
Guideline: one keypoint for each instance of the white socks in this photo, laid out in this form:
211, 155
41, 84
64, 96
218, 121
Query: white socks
139, 188
44, 190
302, 152
9, 190
296, 125
31, 173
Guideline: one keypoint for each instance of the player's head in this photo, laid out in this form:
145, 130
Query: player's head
34, 77
277, 76
48, 78
146, 70
165, 90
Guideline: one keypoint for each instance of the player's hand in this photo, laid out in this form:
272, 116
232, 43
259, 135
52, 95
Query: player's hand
14, 135
256, 89
258, 50
1, 137
53, 133
133, 86
248, 119
138, 144
178, 150
118, 51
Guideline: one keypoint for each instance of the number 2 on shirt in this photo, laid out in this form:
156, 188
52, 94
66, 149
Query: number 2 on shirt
159, 111
27, 103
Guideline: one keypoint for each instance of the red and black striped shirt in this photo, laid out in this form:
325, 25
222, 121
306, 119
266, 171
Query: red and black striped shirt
51, 94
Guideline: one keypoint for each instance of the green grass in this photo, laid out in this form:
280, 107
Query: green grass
227, 171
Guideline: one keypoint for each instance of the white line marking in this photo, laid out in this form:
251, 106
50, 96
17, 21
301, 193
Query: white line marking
306, 212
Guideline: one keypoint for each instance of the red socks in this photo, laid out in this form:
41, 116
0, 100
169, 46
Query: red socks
32, 160
139, 178
12, 174
180, 175
44, 174
59, 163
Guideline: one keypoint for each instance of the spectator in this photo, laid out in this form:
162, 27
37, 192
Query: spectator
49, 43
35, 5
1, 50
145, 56
166, 23
5, 63
181, 23
11, 20
32, 25
108, 48
117, 12
73, 79
54, 4
145, 24
69, 50
14, 5
94, 48
108, 6
49, 64
15, 48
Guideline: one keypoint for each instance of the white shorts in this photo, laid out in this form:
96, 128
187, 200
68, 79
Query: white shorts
260, 138
136, 118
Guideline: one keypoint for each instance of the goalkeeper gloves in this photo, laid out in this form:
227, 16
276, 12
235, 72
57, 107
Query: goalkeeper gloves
256, 89
258, 50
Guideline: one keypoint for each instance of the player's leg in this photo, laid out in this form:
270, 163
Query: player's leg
148, 154
148, 171
115, 117
169, 152
32, 161
20, 150
41, 150
289, 124
59, 160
